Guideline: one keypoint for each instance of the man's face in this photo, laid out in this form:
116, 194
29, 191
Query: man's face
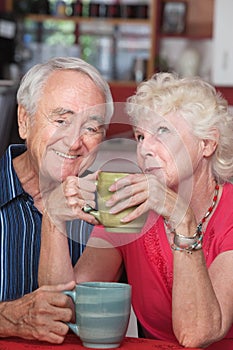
69, 124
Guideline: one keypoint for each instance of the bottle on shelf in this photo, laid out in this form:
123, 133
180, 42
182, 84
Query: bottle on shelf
134, 9
141, 10
60, 8
113, 9
77, 8
22, 6
94, 8
40, 7
139, 69
127, 8
104, 8
86, 8
101, 8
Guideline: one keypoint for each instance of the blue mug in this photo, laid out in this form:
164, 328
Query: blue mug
102, 313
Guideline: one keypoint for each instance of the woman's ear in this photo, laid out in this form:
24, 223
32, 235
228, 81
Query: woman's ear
210, 145
22, 122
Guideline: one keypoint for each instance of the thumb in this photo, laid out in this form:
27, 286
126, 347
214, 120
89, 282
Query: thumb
66, 286
59, 287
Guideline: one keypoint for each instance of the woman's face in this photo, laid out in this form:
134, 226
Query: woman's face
167, 148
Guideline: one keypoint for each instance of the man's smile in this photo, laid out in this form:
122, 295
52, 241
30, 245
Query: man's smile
65, 155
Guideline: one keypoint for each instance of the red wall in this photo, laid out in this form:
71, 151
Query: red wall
120, 94
227, 93
2, 5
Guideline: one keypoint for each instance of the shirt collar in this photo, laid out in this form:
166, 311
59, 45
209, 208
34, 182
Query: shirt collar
10, 186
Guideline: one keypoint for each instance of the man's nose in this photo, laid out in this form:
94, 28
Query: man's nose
76, 142
73, 137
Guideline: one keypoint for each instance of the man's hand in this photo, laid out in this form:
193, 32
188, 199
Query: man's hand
40, 315
65, 202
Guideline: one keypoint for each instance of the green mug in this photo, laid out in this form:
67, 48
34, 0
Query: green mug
112, 222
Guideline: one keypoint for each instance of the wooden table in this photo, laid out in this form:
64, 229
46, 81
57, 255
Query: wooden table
72, 342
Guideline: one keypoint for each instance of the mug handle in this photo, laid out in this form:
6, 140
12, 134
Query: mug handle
73, 326
88, 209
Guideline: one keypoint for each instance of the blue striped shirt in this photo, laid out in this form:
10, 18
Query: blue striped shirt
20, 233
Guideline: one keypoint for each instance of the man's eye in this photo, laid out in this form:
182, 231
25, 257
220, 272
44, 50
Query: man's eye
60, 121
63, 121
92, 129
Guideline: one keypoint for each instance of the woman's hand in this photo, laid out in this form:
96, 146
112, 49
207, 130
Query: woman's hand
147, 193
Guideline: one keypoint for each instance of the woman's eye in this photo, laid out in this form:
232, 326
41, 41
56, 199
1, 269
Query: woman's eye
139, 137
162, 129
91, 130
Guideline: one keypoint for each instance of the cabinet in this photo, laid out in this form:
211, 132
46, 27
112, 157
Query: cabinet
163, 49
204, 18
123, 49
197, 35
222, 51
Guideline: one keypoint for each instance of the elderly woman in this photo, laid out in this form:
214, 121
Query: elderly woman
180, 267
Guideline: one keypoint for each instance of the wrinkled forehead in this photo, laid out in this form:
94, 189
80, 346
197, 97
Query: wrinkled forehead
97, 112
138, 113
142, 115
149, 119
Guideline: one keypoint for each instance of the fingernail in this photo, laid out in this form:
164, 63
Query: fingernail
123, 220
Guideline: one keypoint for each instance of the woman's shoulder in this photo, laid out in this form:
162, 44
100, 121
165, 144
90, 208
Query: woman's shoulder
226, 201
220, 227
224, 210
227, 191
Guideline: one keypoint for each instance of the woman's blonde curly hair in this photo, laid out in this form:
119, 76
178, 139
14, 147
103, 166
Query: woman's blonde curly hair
199, 103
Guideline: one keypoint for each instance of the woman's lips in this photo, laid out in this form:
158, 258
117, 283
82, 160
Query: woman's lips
152, 169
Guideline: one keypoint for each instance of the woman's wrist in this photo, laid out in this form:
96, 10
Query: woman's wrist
188, 243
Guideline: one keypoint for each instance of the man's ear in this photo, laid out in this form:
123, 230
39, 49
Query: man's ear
22, 122
210, 145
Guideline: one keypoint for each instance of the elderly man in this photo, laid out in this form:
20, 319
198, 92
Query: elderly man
62, 108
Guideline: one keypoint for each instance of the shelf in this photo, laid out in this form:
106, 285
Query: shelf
198, 19
189, 36
79, 20
130, 83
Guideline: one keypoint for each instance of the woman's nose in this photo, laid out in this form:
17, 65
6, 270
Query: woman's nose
148, 146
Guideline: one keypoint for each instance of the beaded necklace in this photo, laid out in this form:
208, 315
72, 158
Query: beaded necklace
209, 211
207, 214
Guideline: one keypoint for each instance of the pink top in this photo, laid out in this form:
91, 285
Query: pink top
149, 265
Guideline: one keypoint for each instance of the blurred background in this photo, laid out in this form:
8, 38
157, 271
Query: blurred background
127, 40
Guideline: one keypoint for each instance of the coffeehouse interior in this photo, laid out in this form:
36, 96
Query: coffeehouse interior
127, 40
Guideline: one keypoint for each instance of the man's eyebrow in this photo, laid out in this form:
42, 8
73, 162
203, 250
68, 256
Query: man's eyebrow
99, 118
61, 111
